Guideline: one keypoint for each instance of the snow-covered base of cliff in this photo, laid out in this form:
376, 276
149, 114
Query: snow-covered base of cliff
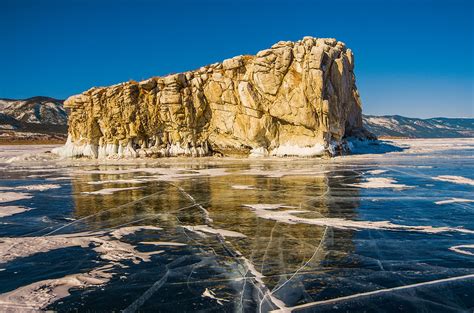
287, 150
290, 150
108, 151
72, 150
293, 150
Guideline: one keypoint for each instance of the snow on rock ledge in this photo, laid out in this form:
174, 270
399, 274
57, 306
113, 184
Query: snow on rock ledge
296, 98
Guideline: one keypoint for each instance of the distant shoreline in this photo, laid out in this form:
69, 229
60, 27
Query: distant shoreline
27, 142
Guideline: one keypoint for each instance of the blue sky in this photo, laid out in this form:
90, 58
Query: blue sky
413, 58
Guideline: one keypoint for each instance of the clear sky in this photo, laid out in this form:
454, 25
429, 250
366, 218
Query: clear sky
413, 58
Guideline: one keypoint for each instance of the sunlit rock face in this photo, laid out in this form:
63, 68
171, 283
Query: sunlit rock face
295, 98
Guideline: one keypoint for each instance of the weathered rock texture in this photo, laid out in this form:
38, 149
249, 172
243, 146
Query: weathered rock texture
296, 98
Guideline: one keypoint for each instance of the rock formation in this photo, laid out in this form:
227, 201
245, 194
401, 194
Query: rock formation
296, 98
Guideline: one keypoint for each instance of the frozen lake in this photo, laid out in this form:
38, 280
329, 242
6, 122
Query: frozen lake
386, 232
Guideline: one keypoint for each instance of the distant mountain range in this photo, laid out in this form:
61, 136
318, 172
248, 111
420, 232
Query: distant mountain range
400, 126
37, 119
44, 119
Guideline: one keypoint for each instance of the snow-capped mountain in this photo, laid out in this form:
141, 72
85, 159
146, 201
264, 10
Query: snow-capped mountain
37, 110
37, 119
400, 126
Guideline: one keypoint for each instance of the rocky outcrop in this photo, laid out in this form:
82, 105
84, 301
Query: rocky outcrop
296, 98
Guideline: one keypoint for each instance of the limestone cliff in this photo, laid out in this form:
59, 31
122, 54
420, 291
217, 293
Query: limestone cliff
296, 98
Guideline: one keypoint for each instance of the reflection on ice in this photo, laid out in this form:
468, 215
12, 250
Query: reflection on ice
203, 229
242, 187
108, 191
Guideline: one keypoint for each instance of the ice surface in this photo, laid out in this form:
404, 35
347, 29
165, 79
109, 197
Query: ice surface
313, 305
39, 294
387, 231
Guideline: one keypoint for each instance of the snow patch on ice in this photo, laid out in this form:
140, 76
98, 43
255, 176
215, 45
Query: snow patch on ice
257, 276
290, 217
117, 181
42, 187
14, 196
200, 229
455, 179
376, 172
38, 295
380, 182
461, 249
454, 200
12, 210
163, 243
210, 294
125, 231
